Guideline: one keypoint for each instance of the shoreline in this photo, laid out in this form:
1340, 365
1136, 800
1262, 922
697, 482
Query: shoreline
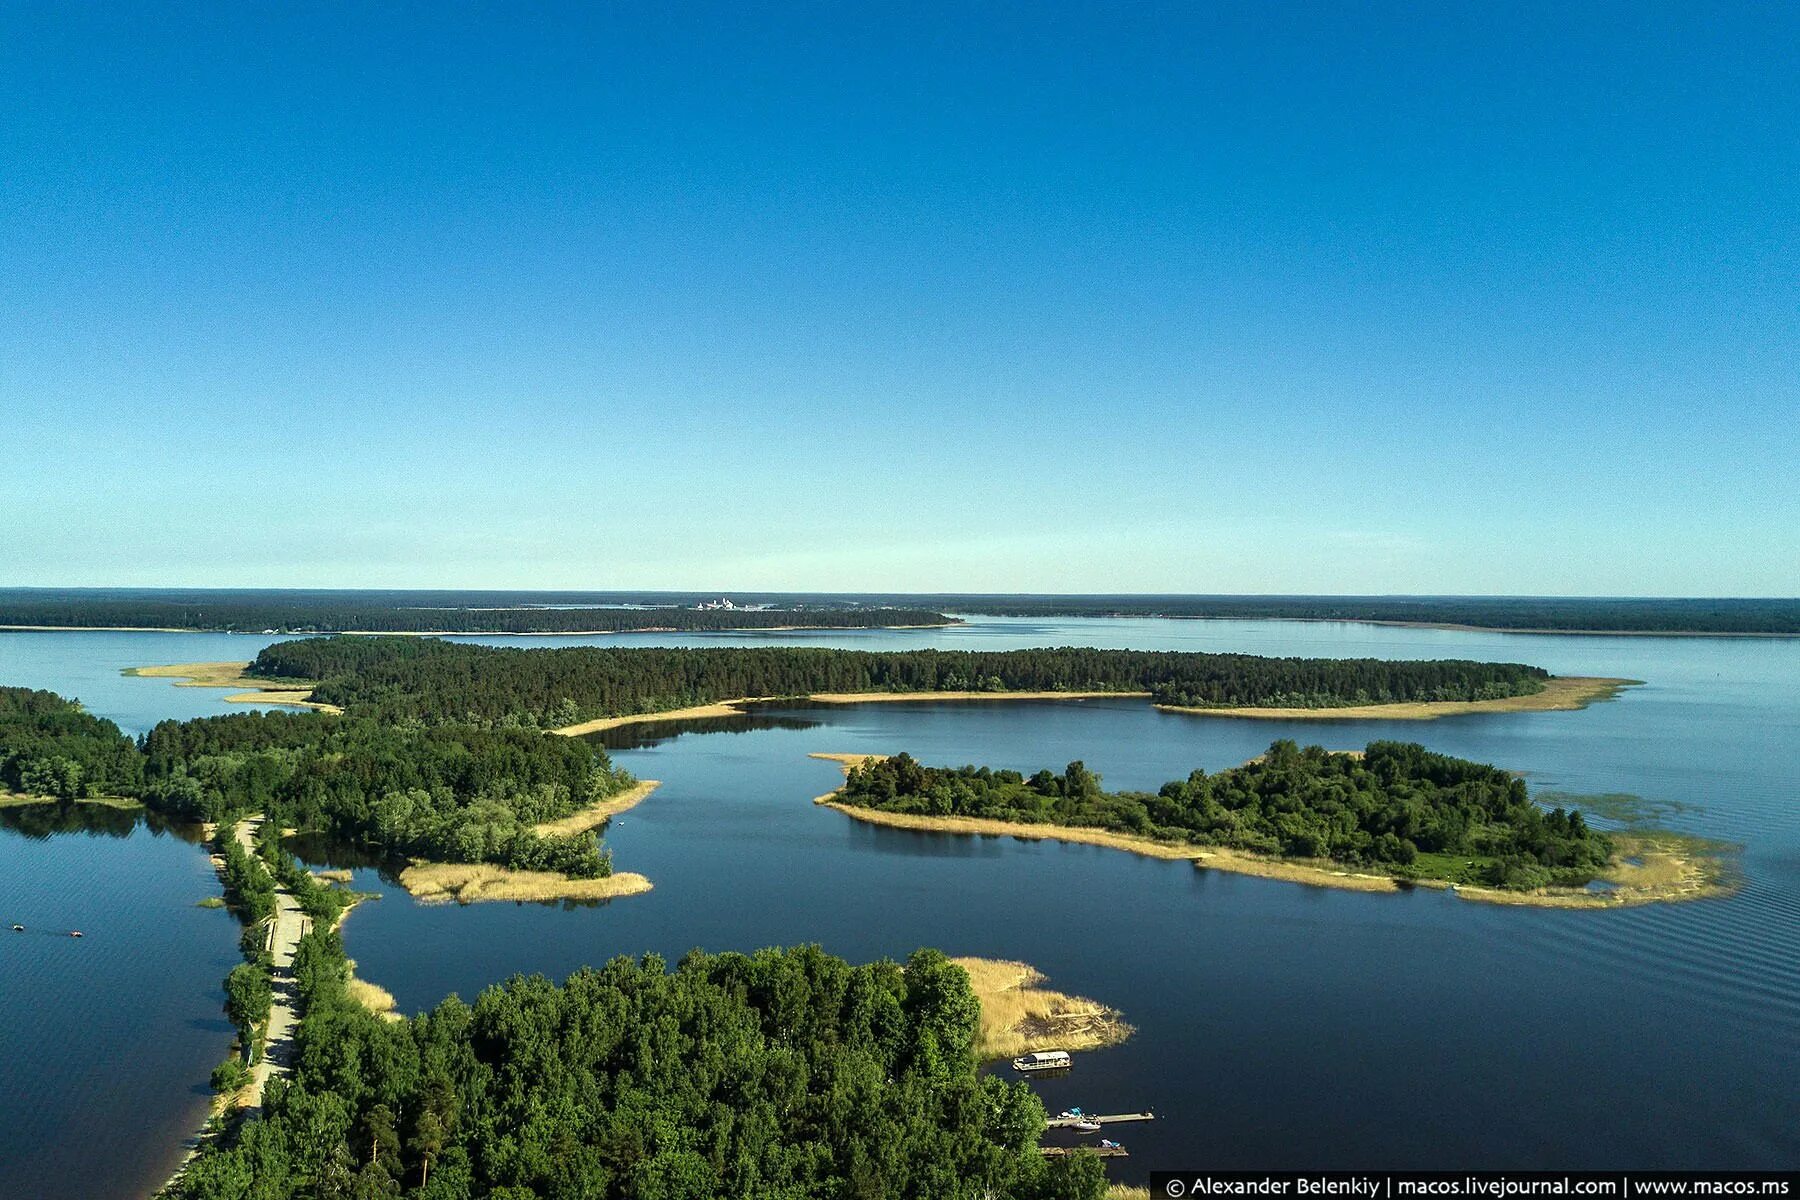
231, 675
1672, 871
284, 633
598, 814
1019, 1015
1511, 629
1562, 693
739, 706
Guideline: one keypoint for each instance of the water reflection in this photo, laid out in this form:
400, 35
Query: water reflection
643, 735
41, 821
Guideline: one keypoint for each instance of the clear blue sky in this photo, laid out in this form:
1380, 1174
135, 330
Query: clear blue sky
1189, 297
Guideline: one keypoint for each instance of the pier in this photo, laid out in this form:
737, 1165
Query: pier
1096, 1151
1114, 1119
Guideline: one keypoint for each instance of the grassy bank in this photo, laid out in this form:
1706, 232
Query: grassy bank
596, 815
1647, 867
292, 693
1561, 694
466, 883
1018, 1016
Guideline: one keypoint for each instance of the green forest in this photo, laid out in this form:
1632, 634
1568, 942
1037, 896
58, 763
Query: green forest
50, 747
784, 1075
1396, 807
448, 791
433, 680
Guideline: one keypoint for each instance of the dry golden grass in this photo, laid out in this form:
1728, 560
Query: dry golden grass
1561, 693
1018, 1017
336, 875
902, 697
1125, 1191
1670, 868
467, 883
596, 815
231, 675
372, 996
724, 708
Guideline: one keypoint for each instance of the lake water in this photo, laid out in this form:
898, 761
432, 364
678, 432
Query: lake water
1277, 1024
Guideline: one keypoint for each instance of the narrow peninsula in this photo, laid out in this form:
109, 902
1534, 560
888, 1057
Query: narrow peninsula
1392, 816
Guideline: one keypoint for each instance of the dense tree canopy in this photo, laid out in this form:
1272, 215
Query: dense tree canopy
778, 1076
1397, 807
50, 747
438, 680
449, 792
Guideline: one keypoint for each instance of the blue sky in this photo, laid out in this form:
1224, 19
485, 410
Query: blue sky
1191, 297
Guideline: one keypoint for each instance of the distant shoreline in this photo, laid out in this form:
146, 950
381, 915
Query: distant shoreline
287, 633
1666, 868
1456, 628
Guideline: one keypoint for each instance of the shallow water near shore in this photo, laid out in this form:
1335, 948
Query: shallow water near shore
1277, 1024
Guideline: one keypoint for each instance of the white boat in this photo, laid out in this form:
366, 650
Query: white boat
1043, 1060
1086, 1125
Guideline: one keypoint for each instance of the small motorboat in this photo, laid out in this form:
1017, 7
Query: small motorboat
1086, 1125
18, 928
1109, 1144
74, 933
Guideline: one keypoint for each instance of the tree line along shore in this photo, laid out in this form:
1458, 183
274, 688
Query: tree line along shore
423, 614
429, 679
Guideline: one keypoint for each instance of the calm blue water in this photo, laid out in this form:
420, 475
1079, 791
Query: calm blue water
1277, 1024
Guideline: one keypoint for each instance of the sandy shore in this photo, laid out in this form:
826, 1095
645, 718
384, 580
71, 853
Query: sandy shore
1672, 867
735, 708
231, 675
467, 883
596, 815
1018, 1016
1561, 694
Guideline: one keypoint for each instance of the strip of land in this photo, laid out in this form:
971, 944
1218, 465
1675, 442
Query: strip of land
1646, 869
294, 694
598, 814
466, 883
736, 708
1018, 1016
1561, 693
23, 799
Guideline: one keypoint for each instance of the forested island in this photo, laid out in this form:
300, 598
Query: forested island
422, 612
784, 1074
445, 792
1392, 812
436, 680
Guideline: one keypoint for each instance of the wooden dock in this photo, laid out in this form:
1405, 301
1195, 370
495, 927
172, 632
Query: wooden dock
1096, 1151
1114, 1119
